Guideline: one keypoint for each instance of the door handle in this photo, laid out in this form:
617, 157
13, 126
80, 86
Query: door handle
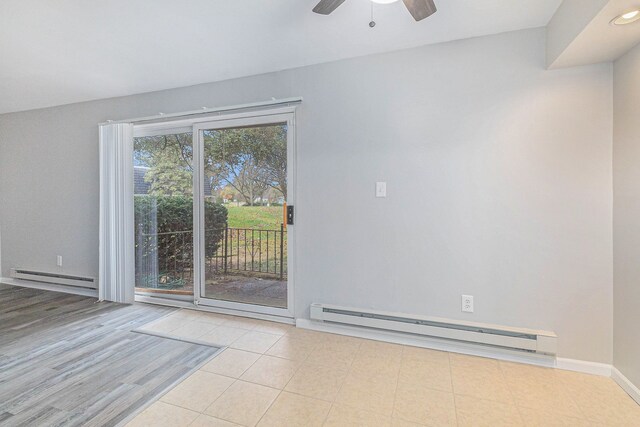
289, 215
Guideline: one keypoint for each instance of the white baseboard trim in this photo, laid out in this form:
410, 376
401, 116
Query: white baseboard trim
593, 368
626, 384
49, 287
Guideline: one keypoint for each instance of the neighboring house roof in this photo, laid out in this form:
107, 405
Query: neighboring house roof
140, 186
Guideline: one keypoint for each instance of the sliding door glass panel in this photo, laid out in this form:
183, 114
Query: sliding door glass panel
245, 191
163, 203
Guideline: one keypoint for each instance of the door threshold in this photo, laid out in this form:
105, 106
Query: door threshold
289, 320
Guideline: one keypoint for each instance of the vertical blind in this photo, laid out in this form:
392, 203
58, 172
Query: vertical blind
116, 272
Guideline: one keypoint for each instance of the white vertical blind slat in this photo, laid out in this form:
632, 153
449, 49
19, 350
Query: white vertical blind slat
116, 275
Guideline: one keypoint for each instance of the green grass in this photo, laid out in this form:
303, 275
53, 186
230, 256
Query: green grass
258, 217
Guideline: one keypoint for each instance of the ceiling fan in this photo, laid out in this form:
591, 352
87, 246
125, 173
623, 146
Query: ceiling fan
419, 9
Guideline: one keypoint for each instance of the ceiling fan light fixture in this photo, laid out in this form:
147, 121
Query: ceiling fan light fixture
419, 9
627, 17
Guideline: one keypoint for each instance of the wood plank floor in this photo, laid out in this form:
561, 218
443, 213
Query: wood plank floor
67, 360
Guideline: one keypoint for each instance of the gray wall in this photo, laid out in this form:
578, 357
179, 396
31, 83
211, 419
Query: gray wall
498, 171
626, 215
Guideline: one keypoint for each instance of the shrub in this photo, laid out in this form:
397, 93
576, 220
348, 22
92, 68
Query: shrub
164, 234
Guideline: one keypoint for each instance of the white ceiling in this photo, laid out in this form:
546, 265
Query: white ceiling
55, 52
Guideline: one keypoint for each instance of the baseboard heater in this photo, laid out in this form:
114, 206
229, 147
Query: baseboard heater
54, 278
493, 335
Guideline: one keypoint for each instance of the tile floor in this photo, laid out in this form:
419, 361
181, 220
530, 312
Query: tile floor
277, 375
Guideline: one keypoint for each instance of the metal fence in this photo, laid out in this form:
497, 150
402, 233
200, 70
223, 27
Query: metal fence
251, 250
165, 260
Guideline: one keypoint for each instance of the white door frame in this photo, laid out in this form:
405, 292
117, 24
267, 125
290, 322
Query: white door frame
262, 117
154, 129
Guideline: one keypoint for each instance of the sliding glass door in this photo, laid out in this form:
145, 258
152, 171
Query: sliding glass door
244, 252
163, 213
211, 201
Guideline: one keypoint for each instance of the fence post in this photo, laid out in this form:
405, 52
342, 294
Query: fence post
226, 245
281, 250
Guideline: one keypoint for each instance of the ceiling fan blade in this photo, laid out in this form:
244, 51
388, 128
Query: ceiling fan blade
420, 9
325, 7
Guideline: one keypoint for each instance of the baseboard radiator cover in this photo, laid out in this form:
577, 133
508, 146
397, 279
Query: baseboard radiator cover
527, 340
54, 278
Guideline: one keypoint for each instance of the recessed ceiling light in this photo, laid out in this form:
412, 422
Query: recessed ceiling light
627, 17
384, 1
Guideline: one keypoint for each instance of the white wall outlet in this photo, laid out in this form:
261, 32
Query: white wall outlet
59, 260
467, 303
381, 189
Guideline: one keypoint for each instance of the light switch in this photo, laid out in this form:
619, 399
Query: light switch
381, 189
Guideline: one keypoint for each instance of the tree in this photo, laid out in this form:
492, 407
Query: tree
169, 159
250, 160
228, 193
250, 181
274, 155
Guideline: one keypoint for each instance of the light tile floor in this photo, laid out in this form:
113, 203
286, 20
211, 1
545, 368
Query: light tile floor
276, 375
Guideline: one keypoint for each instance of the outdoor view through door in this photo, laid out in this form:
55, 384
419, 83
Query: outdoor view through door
245, 234
163, 213
246, 256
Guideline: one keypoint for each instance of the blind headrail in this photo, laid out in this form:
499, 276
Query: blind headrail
205, 110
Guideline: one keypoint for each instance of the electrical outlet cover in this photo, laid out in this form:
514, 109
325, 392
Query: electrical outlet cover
467, 303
